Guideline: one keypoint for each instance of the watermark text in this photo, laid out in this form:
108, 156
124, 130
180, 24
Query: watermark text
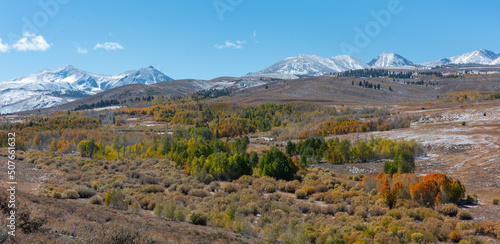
12, 183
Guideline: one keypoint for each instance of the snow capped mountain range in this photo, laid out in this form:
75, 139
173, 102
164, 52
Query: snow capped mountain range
496, 61
389, 60
312, 65
71, 78
53, 87
58, 86
482, 57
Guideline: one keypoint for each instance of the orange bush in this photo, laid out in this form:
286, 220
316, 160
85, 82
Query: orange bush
309, 190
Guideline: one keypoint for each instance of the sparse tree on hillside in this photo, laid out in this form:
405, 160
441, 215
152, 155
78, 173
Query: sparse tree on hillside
274, 163
87, 148
404, 162
365, 152
290, 148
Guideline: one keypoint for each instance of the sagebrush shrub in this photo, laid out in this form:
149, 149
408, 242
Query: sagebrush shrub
84, 192
331, 197
309, 190
198, 193
454, 236
490, 228
395, 213
316, 209
292, 186
471, 199
184, 188
214, 186
377, 211
152, 189
147, 180
300, 194
449, 209
304, 207
464, 215
269, 188
360, 211
96, 200
230, 188
70, 194
417, 237
197, 217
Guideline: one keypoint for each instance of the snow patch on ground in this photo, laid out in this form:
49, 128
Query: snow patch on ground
107, 108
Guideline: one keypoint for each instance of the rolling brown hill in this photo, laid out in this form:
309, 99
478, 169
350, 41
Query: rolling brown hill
320, 89
340, 90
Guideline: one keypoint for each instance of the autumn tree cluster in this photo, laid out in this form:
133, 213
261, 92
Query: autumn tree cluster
354, 126
230, 120
343, 151
430, 190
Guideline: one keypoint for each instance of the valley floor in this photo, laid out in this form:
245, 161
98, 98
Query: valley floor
461, 141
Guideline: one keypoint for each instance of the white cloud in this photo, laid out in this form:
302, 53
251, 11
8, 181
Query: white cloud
4, 47
254, 33
81, 50
31, 42
108, 46
229, 44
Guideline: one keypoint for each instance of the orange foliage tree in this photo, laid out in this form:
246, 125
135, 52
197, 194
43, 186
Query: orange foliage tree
435, 188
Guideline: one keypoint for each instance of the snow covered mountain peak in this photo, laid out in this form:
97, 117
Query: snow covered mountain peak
69, 67
496, 61
147, 76
37, 90
346, 62
312, 65
480, 56
387, 59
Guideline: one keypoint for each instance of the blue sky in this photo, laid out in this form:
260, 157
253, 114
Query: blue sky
205, 39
